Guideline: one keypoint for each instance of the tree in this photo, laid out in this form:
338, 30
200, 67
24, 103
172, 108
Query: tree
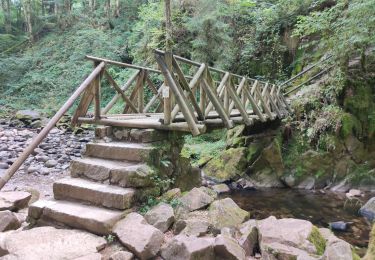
27, 14
6, 6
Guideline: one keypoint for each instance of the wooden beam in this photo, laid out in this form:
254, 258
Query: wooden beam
220, 89
263, 103
97, 88
154, 98
141, 91
84, 103
178, 95
120, 91
254, 105
238, 103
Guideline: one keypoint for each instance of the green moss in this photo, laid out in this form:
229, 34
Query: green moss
350, 125
355, 256
317, 240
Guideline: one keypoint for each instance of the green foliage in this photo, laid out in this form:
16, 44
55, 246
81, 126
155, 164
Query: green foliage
317, 240
150, 202
110, 238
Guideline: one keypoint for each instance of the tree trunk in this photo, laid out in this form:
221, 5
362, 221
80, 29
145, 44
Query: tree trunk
27, 13
7, 17
168, 99
117, 8
107, 8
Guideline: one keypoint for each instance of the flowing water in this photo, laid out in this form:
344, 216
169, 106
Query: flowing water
317, 207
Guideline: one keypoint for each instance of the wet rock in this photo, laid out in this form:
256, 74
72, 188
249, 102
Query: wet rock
221, 188
248, 238
228, 248
339, 225
368, 210
226, 213
231, 164
182, 247
8, 221
49, 242
139, 237
196, 199
14, 200
121, 255
161, 216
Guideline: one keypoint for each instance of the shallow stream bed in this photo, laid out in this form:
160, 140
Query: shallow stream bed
315, 206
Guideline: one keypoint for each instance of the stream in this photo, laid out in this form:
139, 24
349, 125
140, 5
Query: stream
315, 206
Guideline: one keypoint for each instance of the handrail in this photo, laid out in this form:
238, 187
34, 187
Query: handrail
39, 138
305, 71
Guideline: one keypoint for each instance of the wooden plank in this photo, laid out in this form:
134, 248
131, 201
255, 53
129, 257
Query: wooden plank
141, 91
97, 88
238, 103
120, 91
272, 102
84, 104
263, 103
118, 95
153, 88
217, 104
154, 98
254, 105
187, 91
178, 93
238, 91
133, 95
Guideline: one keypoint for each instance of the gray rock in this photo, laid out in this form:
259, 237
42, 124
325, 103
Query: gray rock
339, 225
122, 255
196, 199
335, 247
248, 236
8, 221
227, 248
139, 237
221, 188
49, 243
196, 223
14, 200
4, 165
161, 216
182, 247
25, 115
226, 213
368, 210
50, 163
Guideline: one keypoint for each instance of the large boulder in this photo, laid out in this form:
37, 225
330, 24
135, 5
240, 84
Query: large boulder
197, 198
248, 238
227, 248
335, 248
49, 243
183, 247
196, 223
370, 255
139, 237
289, 239
28, 115
368, 210
14, 200
161, 216
8, 221
229, 165
226, 213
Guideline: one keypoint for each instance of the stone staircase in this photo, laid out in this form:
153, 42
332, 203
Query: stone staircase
110, 178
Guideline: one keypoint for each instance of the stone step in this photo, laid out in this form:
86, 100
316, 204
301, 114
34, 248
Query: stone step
93, 219
122, 173
137, 152
94, 193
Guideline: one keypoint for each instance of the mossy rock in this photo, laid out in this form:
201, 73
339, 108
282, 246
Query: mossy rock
229, 165
317, 240
234, 136
370, 255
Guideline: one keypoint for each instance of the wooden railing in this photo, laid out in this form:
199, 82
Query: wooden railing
210, 97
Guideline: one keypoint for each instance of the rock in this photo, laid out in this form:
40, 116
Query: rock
335, 247
161, 216
243, 184
171, 194
196, 223
50, 163
370, 254
14, 200
221, 188
353, 193
355, 148
339, 225
49, 242
226, 213
139, 237
93, 256
196, 199
248, 236
230, 165
227, 248
182, 247
27, 115
307, 183
234, 135
286, 238
4, 165
8, 221
121, 255
368, 210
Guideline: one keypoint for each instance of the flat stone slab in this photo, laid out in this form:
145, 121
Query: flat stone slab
120, 151
96, 220
14, 200
44, 243
94, 193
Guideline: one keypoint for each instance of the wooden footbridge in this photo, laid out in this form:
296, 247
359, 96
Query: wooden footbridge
181, 95
208, 98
